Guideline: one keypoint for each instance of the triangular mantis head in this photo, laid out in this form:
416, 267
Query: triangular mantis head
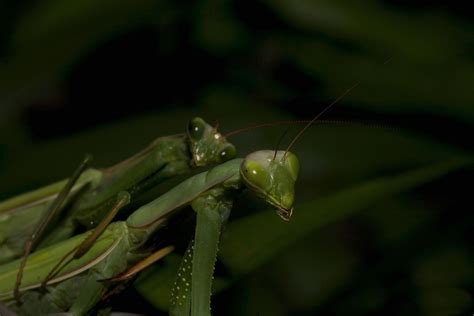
272, 176
207, 145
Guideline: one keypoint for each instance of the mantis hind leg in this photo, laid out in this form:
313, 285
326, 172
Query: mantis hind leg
143, 264
192, 291
123, 198
55, 208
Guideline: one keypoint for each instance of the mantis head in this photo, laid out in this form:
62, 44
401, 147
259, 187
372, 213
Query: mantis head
272, 176
207, 145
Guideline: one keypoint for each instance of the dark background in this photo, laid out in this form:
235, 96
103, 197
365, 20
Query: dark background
107, 77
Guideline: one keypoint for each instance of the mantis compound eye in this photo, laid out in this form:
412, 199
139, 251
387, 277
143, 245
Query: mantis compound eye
227, 153
196, 128
256, 176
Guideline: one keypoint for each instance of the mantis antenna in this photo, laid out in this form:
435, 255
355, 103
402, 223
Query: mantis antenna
319, 115
324, 111
348, 122
279, 141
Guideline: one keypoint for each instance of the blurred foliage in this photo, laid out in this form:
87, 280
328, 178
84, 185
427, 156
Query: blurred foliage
383, 218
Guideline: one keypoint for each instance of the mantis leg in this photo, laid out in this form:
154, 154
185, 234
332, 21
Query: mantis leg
123, 198
143, 264
54, 209
212, 210
100, 290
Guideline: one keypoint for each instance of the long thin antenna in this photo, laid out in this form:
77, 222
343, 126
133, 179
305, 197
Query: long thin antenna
324, 111
319, 115
279, 141
270, 124
348, 122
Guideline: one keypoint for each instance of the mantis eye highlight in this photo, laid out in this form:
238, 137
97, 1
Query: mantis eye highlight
196, 128
227, 153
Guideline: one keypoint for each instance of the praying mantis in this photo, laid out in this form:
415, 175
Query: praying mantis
116, 251
77, 284
216, 146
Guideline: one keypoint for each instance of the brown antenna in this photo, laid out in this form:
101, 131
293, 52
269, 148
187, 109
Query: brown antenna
349, 122
318, 116
323, 111
270, 124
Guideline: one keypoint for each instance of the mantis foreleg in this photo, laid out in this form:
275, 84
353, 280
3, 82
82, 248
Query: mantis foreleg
123, 198
55, 207
212, 210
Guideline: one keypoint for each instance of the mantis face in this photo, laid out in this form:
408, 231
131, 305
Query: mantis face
273, 178
207, 145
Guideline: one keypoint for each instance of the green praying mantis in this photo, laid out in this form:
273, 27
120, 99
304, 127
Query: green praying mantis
75, 274
206, 146
77, 284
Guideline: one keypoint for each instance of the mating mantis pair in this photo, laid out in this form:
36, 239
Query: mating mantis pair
94, 192
119, 248
86, 268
